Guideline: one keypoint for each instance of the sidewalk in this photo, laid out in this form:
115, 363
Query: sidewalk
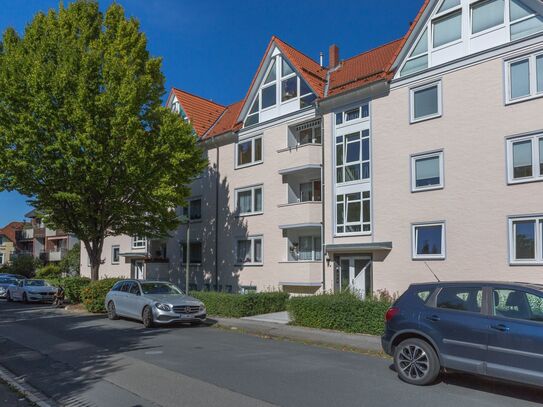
10, 397
334, 339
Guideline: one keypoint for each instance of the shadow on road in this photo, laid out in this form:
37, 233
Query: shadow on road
489, 385
64, 354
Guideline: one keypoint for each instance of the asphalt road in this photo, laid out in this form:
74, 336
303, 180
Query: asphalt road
86, 361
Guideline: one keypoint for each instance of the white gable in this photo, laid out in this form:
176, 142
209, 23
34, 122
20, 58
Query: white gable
278, 90
457, 28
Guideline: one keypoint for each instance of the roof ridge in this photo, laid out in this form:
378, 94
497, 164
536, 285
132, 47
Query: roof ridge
297, 50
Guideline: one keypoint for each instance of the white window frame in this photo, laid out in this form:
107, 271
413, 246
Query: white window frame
316, 250
1, 258
478, 3
414, 235
361, 117
362, 223
313, 189
252, 189
139, 242
113, 248
532, 63
313, 125
415, 158
252, 262
443, 16
537, 174
538, 260
416, 89
252, 140
360, 162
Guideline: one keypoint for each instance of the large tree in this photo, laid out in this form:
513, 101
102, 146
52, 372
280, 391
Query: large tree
83, 132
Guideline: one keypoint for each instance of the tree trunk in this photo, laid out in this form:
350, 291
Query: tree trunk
94, 251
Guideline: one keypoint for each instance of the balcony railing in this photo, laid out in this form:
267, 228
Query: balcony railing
26, 234
53, 254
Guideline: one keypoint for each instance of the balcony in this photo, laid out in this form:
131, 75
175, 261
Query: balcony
55, 233
301, 213
53, 255
301, 274
26, 234
299, 156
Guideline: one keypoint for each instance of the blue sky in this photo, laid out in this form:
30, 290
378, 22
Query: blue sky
213, 47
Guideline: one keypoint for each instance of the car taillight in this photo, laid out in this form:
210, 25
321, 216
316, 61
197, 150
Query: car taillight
391, 313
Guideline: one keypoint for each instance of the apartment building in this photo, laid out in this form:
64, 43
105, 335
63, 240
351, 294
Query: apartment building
416, 158
8, 241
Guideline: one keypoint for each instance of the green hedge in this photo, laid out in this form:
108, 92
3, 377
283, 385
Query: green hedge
72, 286
49, 271
242, 305
342, 312
94, 294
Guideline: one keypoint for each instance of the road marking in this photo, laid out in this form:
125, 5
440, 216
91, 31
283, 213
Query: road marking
154, 352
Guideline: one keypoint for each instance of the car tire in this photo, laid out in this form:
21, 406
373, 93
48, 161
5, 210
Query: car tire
416, 362
25, 298
8, 297
111, 311
147, 318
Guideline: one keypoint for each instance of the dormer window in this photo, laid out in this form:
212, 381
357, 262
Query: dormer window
279, 92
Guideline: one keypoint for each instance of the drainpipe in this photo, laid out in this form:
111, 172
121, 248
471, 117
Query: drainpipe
323, 200
217, 186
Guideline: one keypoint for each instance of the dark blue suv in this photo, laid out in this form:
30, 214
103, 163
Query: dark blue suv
487, 328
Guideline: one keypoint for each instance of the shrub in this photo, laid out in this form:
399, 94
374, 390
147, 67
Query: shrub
23, 265
242, 305
342, 312
73, 287
49, 272
70, 263
94, 294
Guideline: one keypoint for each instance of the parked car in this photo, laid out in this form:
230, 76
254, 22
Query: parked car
5, 282
486, 328
31, 290
153, 303
16, 276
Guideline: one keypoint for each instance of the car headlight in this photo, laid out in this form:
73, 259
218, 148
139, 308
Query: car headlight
163, 307
2, 290
202, 307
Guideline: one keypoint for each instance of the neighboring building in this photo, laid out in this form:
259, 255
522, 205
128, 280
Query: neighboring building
48, 245
420, 156
8, 242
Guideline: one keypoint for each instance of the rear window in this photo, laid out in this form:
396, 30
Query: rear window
468, 299
117, 286
419, 294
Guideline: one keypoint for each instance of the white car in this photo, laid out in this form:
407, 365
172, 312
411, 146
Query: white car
31, 290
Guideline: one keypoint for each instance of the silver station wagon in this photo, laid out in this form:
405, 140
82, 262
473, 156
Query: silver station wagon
153, 303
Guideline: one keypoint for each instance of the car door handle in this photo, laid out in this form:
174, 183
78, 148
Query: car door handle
500, 327
433, 318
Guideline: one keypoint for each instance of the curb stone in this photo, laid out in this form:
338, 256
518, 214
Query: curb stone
19, 384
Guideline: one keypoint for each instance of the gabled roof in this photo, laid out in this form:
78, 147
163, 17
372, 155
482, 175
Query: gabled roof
227, 122
363, 69
10, 230
202, 113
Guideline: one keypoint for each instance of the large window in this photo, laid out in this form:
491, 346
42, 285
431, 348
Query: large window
523, 21
353, 214
524, 78
427, 171
358, 113
249, 251
193, 211
353, 157
249, 151
447, 29
195, 255
310, 191
309, 248
428, 241
139, 242
306, 133
115, 254
487, 14
425, 102
249, 201
525, 159
418, 59
526, 240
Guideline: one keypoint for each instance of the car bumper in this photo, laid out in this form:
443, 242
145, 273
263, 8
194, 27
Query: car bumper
4, 295
40, 297
164, 317
386, 342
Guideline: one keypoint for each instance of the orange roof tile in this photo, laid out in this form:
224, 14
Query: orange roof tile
10, 230
227, 122
202, 113
362, 69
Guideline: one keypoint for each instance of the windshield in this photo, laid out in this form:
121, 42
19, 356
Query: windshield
7, 280
160, 288
36, 283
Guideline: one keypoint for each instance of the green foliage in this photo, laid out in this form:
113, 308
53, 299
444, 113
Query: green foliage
73, 286
94, 294
342, 312
71, 262
242, 305
82, 129
50, 271
23, 265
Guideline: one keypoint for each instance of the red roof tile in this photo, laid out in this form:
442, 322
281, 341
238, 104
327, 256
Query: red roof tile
363, 69
10, 230
202, 113
227, 122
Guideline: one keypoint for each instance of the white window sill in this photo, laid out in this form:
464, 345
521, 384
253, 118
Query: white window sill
523, 99
526, 180
301, 262
424, 189
300, 203
425, 118
429, 258
112, 263
355, 182
516, 263
352, 234
240, 167
246, 215
299, 146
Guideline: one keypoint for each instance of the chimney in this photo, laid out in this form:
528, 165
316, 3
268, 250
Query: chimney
334, 56
321, 58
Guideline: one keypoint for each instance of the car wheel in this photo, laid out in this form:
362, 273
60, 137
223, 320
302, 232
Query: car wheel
111, 311
25, 298
416, 362
147, 318
8, 297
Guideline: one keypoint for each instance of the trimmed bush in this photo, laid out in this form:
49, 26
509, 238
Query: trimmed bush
94, 294
73, 286
242, 305
50, 271
341, 312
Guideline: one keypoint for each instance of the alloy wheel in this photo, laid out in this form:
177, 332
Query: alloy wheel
413, 362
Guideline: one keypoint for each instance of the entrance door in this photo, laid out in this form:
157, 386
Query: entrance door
355, 274
138, 270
